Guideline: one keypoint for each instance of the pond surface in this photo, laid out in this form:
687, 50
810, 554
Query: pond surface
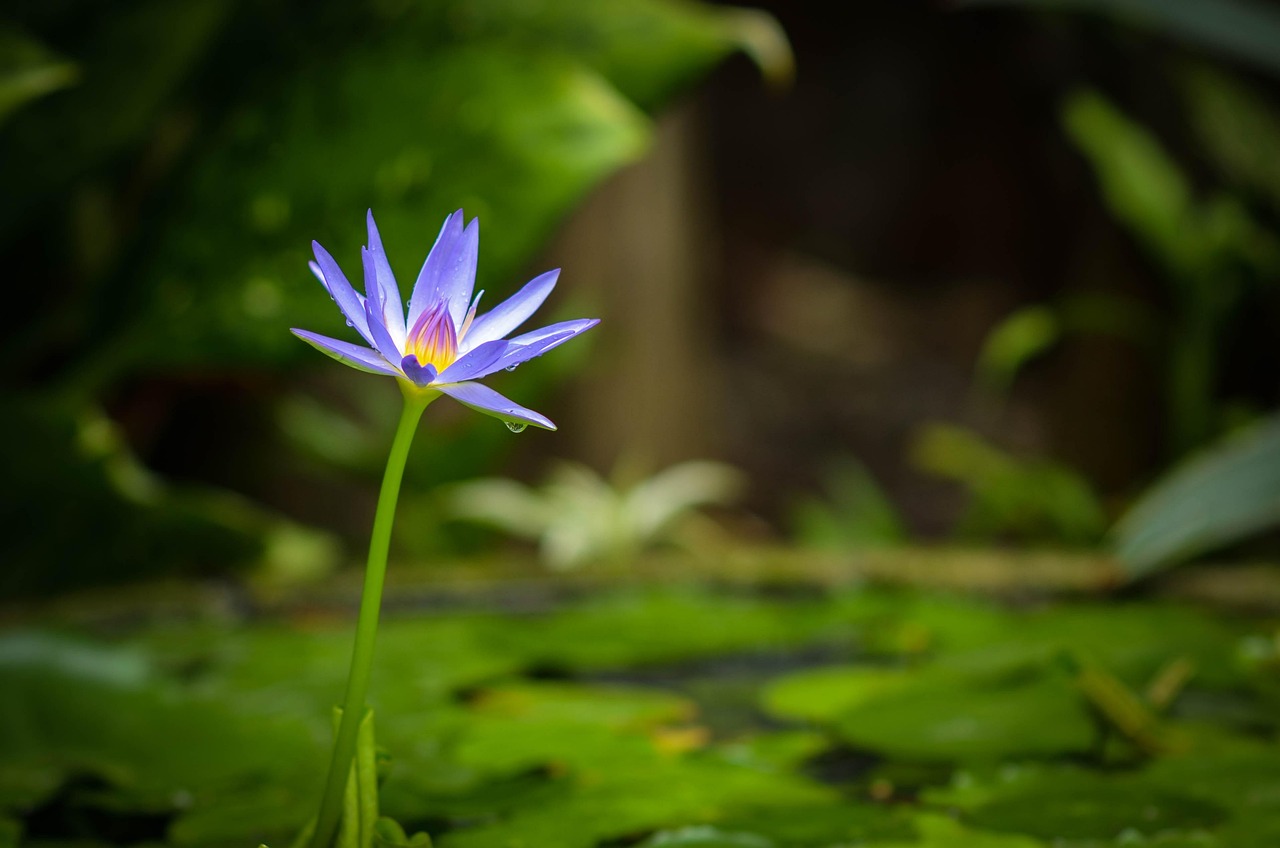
665, 716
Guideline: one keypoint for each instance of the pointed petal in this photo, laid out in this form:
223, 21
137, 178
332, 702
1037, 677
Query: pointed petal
421, 375
574, 327
477, 363
315, 269
382, 340
426, 290
484, 399
351, 304
518, 353
513, 311
458, 278
389, 293
357, 357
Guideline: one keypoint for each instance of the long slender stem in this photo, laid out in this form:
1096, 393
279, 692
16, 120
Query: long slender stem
344, 746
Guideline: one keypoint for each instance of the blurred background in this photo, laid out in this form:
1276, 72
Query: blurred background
919, 486
871, 275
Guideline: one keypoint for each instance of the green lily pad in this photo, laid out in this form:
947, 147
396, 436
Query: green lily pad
825, 694
73, 710
566, 726
610, 803
1076, 807
937, 718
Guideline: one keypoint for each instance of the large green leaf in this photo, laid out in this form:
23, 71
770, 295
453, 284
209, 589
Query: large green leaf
1227, 493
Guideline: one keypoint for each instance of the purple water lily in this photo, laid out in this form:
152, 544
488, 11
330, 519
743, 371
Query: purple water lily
442, 345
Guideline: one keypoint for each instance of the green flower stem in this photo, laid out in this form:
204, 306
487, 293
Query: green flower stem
344, 746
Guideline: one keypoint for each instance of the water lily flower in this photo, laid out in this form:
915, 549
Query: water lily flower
441, 345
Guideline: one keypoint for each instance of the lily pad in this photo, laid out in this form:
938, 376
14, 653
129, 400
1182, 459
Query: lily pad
1075, 807
936, 718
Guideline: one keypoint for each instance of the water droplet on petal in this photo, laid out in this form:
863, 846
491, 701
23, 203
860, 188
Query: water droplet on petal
516, 426
349, 324
511, 367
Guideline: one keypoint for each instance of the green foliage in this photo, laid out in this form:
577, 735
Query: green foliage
1027, 333
28, 71
856, 514
1143, 187
89, 512
1027, 500
1225, 494
1236, 125
577, 517
1210, 250
163, 206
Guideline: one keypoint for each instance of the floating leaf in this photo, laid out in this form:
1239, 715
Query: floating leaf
937, 719
1075, 807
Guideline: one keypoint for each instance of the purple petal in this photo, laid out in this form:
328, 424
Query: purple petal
389, 302
458, 278
382, 340
574, 327
351, 304
477, 363
357, 357
513, 311
484, 399
421, 375
426, 290
315, 269
518, 353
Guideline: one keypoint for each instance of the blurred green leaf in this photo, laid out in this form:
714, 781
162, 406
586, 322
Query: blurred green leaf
1237, 126
938, 718
83, 710
1034, 500
1075, 806
1020, 337
28, 71
1240, 29
91, 514
578, 517
824, 694
856, 513
1143, 186
1225, 494
1031, 331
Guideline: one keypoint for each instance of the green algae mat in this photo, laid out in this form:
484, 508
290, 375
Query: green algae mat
663, 715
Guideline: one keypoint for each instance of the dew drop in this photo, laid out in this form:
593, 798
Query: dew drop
511, 367
516, 426
349, 324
